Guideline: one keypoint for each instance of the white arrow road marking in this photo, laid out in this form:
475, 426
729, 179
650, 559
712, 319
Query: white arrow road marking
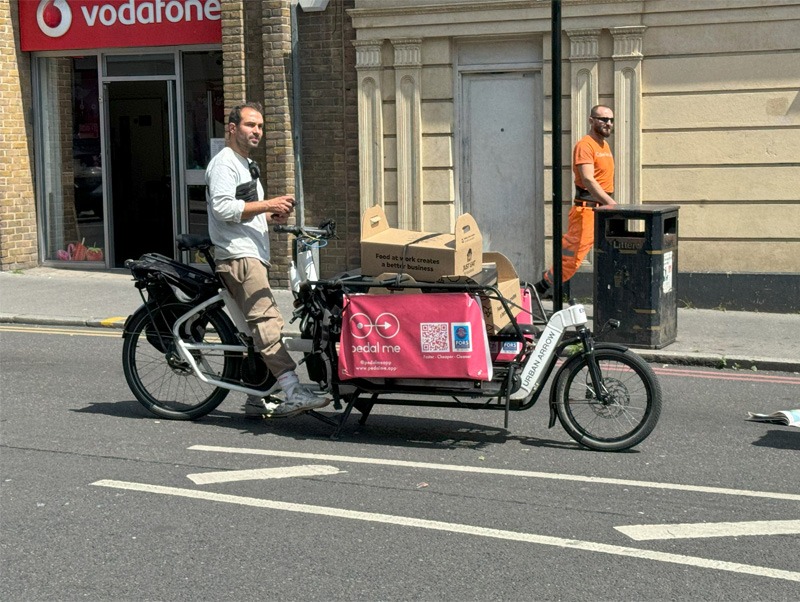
227, 476
693, 530
498, 471
420, 523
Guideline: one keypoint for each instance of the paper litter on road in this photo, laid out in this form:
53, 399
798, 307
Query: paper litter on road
785, 417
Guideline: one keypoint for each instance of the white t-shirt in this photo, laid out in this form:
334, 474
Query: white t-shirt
232, 237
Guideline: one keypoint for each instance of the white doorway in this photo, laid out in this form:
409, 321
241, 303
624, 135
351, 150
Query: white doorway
501, 163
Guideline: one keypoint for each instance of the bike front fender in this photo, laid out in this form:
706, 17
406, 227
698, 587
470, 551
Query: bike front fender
140, 310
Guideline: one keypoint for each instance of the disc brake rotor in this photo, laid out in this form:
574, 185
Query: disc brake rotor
618, 399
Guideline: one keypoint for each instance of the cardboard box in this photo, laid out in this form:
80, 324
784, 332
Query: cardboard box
508, 285
425, 256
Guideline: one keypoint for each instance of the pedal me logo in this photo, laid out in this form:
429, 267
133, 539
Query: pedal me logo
54, 17
81, 24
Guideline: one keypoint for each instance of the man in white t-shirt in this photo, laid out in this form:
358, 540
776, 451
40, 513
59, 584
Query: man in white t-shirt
238, 218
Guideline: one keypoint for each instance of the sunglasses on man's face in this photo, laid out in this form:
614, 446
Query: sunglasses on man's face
255, 173
604, 119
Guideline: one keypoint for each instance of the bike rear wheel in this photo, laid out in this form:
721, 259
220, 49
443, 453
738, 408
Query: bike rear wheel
163, 382
630, 412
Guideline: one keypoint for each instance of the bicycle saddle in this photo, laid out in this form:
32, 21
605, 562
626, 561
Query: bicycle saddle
186, 242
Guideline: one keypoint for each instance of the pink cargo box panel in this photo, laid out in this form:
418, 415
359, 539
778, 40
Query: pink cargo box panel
434, 335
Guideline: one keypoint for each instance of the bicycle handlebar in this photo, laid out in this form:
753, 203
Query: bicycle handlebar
326, 230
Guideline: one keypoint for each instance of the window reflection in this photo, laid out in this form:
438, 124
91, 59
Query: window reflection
72, 180
204, 105
204, 114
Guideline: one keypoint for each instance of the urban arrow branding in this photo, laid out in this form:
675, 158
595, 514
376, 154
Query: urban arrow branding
536, 363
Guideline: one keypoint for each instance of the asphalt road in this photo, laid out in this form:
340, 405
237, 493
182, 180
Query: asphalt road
102, 501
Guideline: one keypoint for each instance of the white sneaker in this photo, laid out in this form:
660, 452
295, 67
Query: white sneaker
298, 399
258, 407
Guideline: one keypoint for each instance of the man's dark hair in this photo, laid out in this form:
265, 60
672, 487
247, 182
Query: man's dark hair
235, 116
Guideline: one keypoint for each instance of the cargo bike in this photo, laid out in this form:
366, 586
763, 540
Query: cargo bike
187, 346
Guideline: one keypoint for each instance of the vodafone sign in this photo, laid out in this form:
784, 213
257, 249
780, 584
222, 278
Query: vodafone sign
83, 24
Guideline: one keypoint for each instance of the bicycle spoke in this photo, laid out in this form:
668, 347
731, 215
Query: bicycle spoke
622, 415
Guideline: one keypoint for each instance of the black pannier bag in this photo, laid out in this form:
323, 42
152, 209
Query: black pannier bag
165, 278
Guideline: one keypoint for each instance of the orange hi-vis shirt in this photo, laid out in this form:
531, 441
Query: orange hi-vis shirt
589, 151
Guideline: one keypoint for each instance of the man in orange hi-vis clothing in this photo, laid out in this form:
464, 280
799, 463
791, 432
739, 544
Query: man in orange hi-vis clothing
593, 166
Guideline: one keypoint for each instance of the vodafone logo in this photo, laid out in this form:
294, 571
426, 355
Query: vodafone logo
79, 24
54, 17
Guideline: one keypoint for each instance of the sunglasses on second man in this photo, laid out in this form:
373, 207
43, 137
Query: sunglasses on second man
604, 119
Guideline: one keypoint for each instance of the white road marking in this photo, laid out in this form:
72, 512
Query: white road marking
574, 544
697, 530
227, 476
500, 471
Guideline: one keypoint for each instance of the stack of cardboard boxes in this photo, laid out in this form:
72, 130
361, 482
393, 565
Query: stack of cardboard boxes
455, 257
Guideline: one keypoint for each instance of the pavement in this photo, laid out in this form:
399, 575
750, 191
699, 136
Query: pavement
103, 299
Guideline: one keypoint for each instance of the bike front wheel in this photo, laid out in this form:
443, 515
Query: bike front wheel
159, 378
623, 415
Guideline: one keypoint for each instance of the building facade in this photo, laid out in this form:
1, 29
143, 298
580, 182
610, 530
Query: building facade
430, 108
455, 103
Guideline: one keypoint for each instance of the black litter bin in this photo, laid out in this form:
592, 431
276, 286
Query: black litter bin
636, 273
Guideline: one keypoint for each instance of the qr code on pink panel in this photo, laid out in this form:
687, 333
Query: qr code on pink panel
434, 337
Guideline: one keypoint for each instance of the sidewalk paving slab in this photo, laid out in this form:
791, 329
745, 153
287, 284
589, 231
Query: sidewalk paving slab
712, 338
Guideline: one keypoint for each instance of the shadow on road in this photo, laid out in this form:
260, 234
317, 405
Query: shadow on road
118, 409
779, 440
381, 430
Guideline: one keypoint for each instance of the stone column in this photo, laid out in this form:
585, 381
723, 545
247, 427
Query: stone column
408, 74
370, 122
584, 57
628, 112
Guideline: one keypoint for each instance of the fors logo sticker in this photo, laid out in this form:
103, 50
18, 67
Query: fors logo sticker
54, 17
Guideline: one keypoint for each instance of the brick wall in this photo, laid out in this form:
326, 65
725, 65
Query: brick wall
257, 46
233, 52
256, 52
329, 105
18, 235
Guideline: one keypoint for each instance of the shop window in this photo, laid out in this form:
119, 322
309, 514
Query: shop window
204, 115
70, 162
131, 65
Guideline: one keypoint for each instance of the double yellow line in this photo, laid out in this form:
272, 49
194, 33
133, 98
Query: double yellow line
62, 330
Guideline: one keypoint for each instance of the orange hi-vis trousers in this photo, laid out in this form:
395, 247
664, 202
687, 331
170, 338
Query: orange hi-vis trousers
576, 243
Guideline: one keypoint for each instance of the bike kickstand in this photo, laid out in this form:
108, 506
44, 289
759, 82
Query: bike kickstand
507, 395
345, 415
322, 418
365, 407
